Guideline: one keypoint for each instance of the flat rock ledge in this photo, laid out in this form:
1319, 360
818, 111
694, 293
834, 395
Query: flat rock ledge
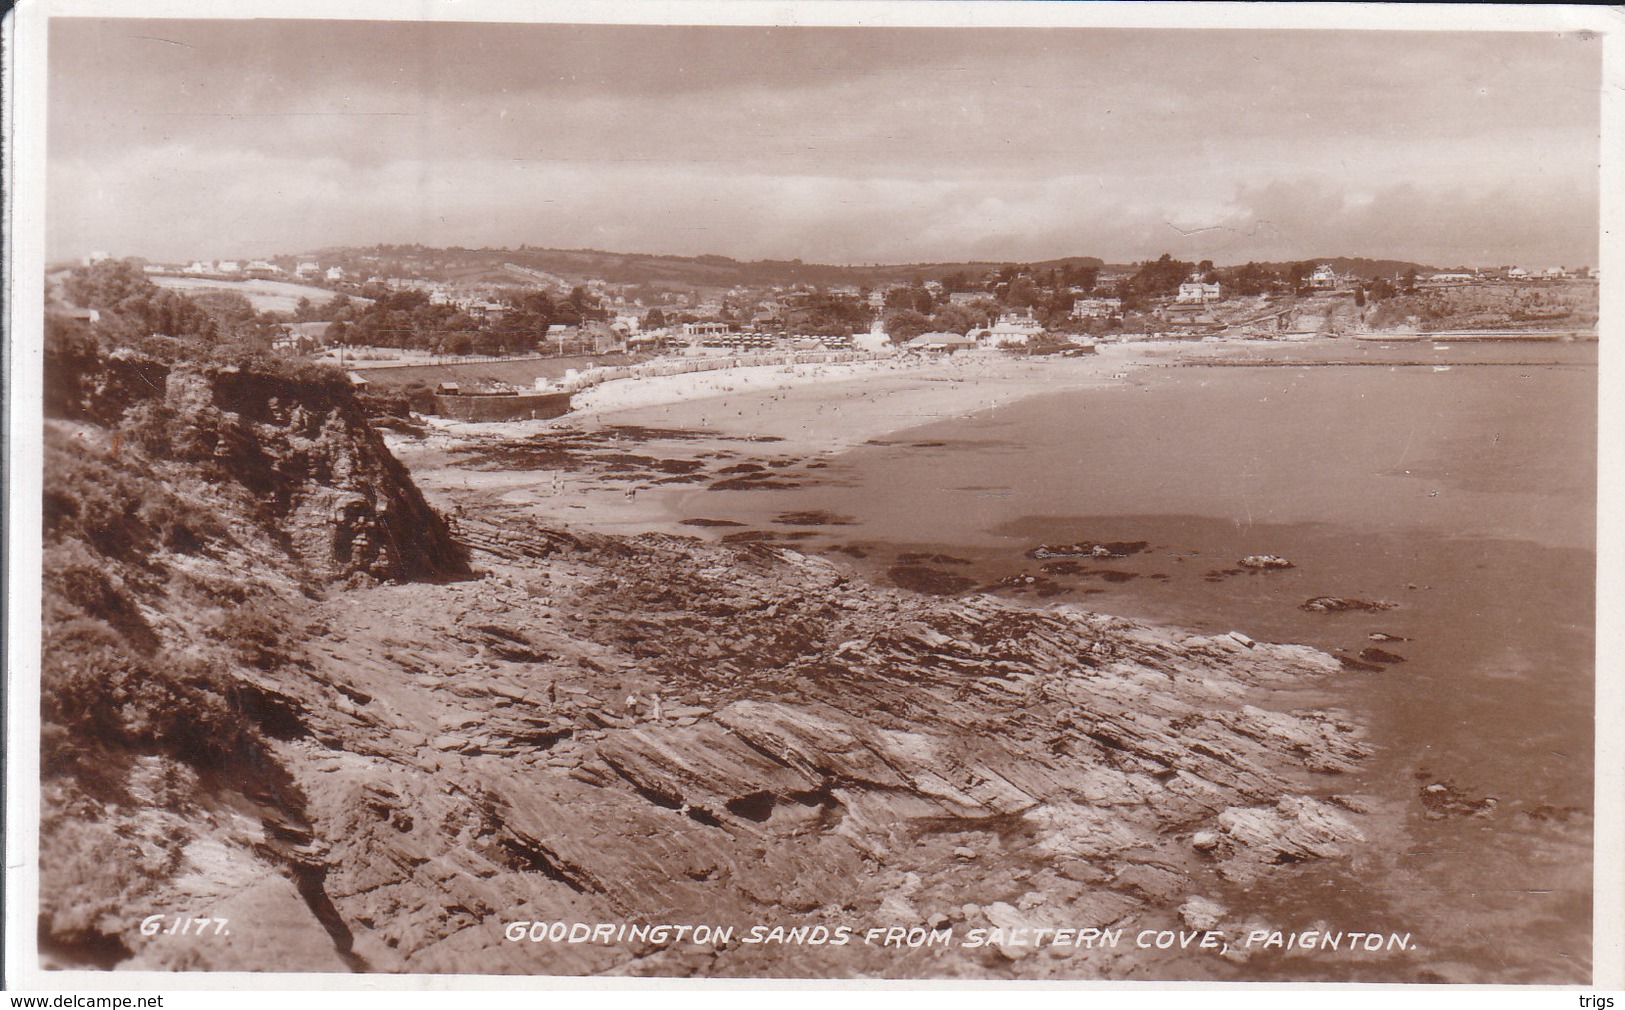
660, 731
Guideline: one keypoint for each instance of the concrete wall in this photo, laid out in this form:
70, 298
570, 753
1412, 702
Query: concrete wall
502, 408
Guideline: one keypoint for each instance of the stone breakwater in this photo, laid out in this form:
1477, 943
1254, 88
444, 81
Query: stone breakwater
657, 730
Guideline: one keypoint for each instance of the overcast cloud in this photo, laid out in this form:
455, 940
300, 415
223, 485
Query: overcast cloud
183, 139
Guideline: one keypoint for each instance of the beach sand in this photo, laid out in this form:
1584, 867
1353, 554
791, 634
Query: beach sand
778, 415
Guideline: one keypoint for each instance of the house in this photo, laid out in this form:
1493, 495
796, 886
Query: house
228, 267
291, 342
966, 297
307, 269
1012, 330
1197, 293
1096, 308
1324, 278
357, 383
260, 268
335, 274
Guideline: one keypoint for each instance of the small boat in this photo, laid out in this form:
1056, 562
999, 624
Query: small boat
1441, 368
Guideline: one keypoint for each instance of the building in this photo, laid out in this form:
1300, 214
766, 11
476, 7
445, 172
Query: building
1197, 293
292, 343
1096, 308
1324, 278
307, 269
335, 274
1011, 330
705, 329
228, 267
940, 342
966, 297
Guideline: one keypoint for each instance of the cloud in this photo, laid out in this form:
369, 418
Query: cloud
834, 145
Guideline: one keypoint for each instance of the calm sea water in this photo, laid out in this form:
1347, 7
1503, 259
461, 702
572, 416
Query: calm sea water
1457, 483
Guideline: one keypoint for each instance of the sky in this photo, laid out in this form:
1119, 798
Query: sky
178, 140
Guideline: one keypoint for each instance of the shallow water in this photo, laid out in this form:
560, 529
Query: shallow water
1447, 481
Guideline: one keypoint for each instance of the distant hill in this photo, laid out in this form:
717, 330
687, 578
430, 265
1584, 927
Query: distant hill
515, 266
1356, 266
528, 266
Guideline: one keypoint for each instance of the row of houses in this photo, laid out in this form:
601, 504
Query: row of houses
256, 269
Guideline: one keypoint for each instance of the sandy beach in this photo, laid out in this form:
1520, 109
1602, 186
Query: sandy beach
777, 416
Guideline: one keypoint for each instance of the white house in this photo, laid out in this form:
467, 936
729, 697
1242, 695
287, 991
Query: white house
228, 267
1012, 330
1197, 293
307, 269
335, 273
1096, 308
1324, 278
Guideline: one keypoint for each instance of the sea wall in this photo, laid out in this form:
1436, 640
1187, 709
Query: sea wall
523, 407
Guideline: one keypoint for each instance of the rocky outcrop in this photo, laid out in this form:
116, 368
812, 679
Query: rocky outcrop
658, 731
293, 440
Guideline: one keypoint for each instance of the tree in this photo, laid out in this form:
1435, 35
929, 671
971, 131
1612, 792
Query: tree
905, 324
1160, 277
1022, 293
1251, 279
1298, 274
957, 319
105, 284
654, 319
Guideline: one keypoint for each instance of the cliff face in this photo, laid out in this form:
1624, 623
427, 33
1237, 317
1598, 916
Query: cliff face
297, 443
192, 515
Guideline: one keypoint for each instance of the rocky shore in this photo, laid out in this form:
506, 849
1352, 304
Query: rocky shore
651, 729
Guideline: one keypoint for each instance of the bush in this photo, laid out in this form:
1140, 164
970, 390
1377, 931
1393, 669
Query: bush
101, 695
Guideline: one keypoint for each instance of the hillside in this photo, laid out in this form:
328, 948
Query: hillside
570, 266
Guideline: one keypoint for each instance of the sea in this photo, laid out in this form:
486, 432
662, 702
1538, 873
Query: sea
1454, 481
